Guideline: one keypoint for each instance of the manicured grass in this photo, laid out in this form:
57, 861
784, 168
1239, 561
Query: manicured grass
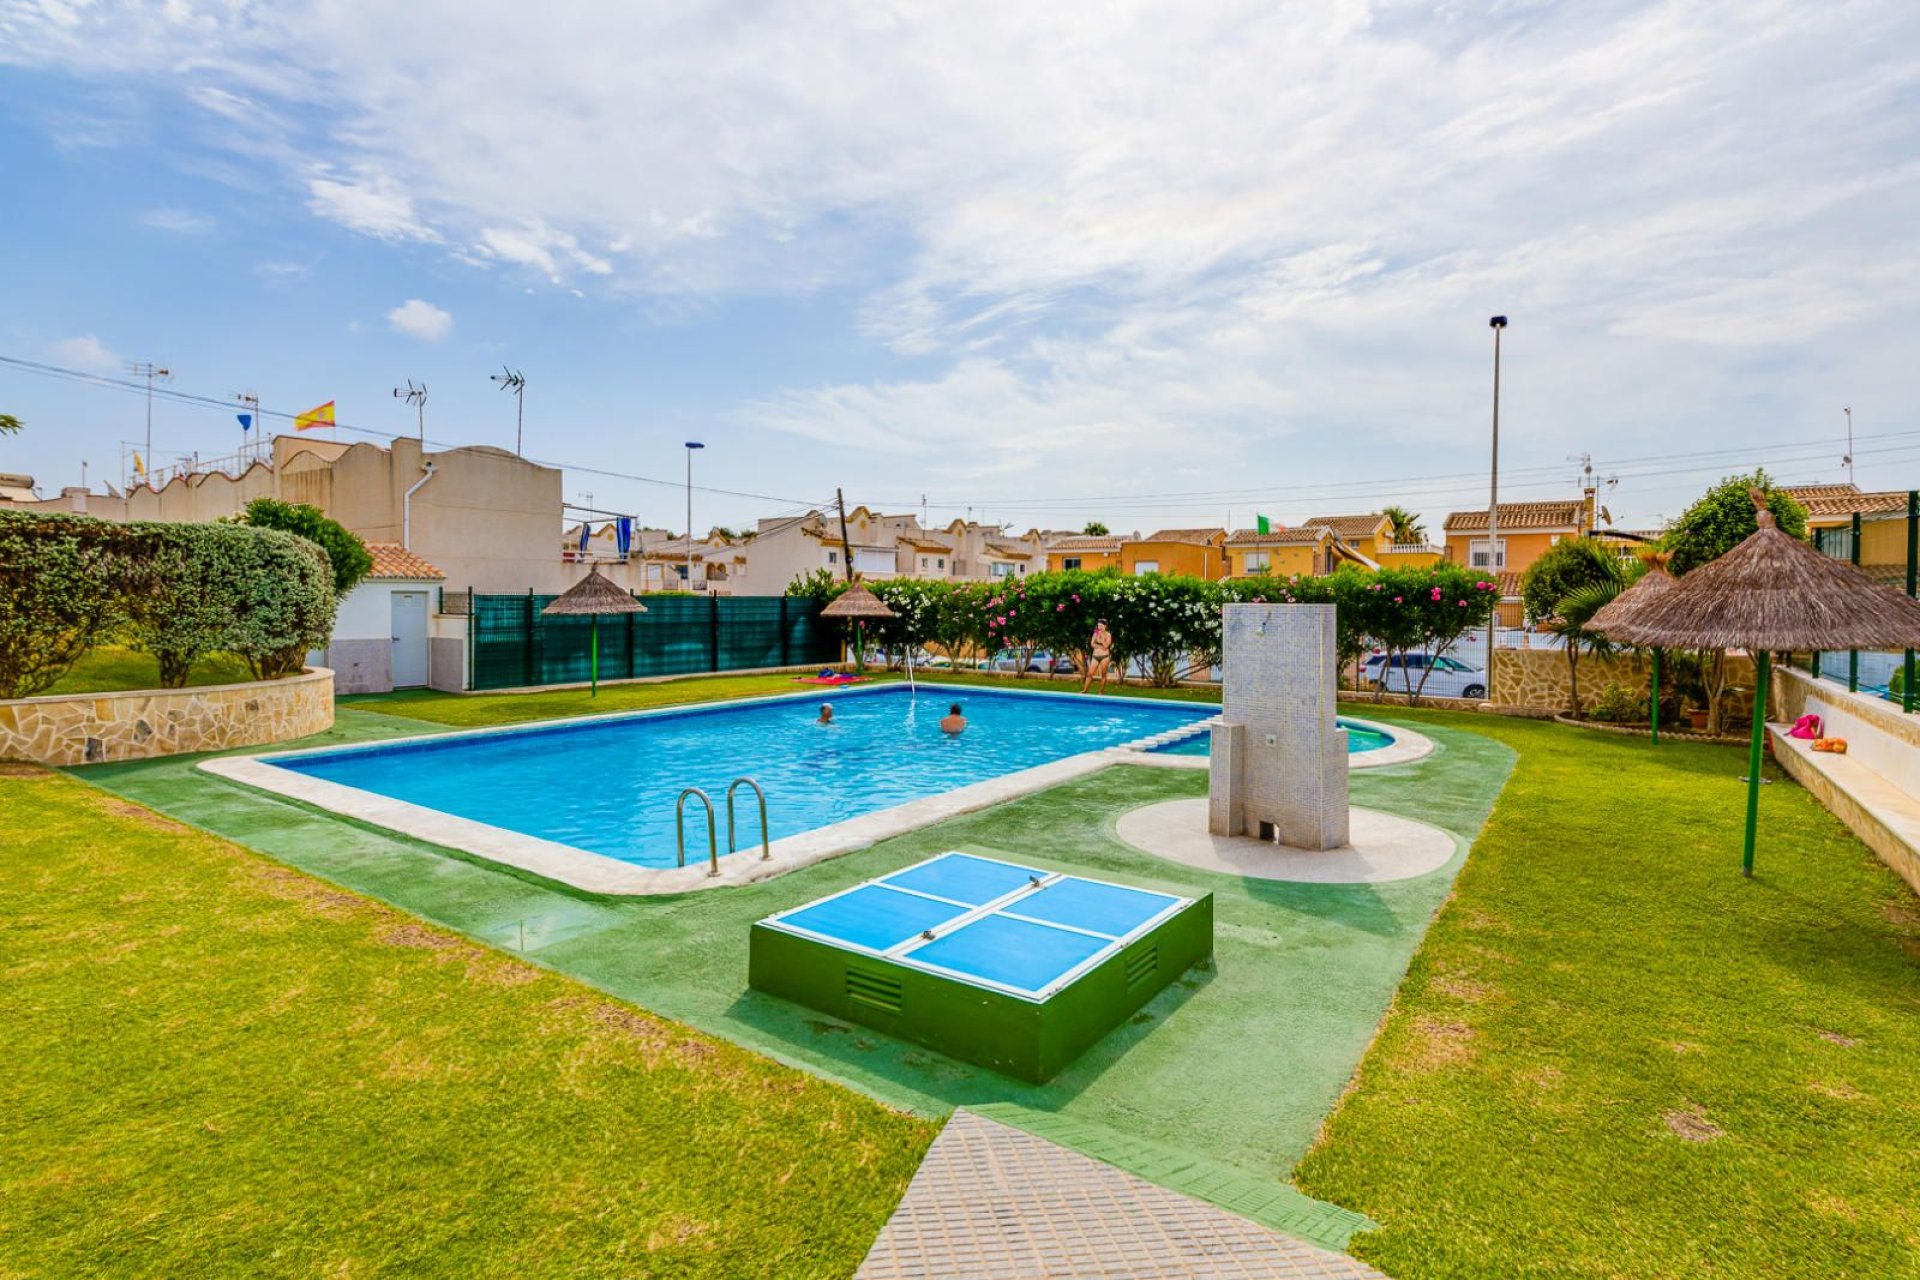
1613, 1056
217, 1065
110, 669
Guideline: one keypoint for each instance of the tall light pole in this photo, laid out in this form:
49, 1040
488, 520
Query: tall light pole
1494, 558
148, 370
512, 381
691, 446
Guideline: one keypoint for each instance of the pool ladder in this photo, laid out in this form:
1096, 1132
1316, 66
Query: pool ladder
713, 845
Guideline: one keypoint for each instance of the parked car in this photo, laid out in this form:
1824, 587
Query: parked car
1402, 673
1039, 661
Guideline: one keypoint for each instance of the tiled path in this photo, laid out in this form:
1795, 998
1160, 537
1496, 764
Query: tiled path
994, 1203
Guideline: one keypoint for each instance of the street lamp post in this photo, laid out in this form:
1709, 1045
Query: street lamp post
691, 446
1494, 558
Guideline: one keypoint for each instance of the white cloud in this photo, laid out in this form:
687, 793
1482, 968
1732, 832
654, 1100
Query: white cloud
420, 319
1273, 231
86, 353
181, 222
369, 202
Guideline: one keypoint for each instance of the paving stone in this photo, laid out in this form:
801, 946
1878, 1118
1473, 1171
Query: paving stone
992, 1201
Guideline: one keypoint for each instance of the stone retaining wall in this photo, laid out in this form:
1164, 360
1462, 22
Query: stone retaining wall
87, 728
1536, 679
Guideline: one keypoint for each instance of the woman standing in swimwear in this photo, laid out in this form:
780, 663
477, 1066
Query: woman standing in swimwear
1102, 650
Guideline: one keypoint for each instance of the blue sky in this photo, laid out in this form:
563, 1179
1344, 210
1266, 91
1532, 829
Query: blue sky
1152, 265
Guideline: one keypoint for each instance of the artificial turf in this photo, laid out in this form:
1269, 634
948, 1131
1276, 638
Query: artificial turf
218, 1065
112, 668
1614, 1056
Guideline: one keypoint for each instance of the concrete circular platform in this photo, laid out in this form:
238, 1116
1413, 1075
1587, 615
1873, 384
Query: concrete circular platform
1383, 847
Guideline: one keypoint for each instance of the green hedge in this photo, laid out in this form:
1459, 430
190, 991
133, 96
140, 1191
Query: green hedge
176, 591
1161, 620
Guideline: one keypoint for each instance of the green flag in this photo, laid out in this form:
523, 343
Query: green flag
1261, 526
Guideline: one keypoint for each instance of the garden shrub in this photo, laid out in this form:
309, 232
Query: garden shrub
177, 591
1617, 706
59, 595
346, 553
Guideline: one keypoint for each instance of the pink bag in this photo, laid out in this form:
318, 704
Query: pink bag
1807, 726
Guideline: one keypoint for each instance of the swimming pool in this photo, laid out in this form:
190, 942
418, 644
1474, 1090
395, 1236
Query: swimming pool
609, 785
1361, 738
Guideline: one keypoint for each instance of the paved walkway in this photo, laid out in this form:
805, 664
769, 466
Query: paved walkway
993, 1203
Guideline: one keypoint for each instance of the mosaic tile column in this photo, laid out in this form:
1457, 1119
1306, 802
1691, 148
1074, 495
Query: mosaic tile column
1284, 774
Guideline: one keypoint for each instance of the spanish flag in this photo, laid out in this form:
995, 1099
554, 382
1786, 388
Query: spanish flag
317, 417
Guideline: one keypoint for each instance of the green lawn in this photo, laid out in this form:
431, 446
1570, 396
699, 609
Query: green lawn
1615, 1057
109, 669
217, 1065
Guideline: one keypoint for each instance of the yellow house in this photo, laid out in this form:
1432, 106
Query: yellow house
1527, 529
1194, 553
1883, 526
1410, 555
1369, 533
1083, 551
1308, 551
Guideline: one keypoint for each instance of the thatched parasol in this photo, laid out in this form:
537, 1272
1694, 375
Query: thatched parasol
1772, 592
590, 597
1653, 584
858, 603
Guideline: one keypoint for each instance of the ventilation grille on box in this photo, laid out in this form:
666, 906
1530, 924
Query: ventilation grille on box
1143, 964
875, 990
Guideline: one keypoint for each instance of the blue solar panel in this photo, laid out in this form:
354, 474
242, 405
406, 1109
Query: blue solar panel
1016, 953
964, 878
1112, 909
873, 916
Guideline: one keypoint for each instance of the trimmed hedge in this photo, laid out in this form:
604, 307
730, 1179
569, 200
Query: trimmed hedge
176, 591
1163, 620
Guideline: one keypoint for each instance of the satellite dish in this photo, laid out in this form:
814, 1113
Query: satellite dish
1606, 517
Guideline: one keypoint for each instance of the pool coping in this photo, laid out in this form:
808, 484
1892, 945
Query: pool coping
597, 873
1406, 747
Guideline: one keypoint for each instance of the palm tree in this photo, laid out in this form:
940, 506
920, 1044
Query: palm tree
1576, 610
9, 425
1404, 527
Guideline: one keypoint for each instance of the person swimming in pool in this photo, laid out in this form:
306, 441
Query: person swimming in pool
1101, 649
954, 723
826, 713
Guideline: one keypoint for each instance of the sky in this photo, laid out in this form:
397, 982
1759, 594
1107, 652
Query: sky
1153, 265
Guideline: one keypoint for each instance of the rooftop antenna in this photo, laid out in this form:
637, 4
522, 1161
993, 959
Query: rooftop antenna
510, 380
149, 370
1848, 460
249, 423
417, 397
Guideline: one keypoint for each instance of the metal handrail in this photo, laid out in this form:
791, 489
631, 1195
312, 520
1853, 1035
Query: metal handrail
680, 829
766, 844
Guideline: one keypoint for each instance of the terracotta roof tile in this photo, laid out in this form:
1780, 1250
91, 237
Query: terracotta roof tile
1829, 500
393, 562
1085, 542
1301, 536
1350, 527
1515, 516
1203, 537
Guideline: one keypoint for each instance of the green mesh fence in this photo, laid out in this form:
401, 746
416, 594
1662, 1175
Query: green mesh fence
512, 645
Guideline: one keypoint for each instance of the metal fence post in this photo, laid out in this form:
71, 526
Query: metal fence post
1913, 562
784, 642
526, 641
1853, 655
473, 640
713, 632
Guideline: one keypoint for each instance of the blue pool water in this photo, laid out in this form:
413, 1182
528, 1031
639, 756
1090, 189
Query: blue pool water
984, 921
1359, 738
609, 786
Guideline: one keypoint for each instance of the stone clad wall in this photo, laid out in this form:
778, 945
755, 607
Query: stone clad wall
1536, 679
87, 728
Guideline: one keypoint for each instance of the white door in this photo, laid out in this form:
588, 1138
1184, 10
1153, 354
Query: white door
409, 639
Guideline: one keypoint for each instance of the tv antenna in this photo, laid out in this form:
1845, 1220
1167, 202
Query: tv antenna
417, 397
149, 370
511, 380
